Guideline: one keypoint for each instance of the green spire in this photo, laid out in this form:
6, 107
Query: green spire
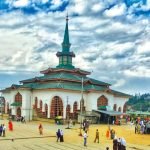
65, 56
66, 44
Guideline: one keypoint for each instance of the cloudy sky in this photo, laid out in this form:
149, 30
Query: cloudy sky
111, 38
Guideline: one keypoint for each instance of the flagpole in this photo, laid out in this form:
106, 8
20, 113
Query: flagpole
80, 134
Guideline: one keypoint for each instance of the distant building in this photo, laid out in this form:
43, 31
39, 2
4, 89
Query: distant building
58, 91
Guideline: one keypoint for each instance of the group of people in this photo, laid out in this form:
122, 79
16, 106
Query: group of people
2, 130
60, 135
119, 144
110, 134
142, 127
85, 125
20, 119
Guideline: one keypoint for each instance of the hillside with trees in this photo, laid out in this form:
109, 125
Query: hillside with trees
139, 102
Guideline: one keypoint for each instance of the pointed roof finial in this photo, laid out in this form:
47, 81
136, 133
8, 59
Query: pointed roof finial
67, 17
66, 44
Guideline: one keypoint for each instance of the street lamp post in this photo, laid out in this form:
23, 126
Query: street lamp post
67, 114
80, 134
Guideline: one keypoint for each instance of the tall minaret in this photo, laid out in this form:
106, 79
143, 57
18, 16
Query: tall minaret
65, 57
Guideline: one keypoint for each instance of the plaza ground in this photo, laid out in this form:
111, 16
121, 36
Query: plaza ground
26, 137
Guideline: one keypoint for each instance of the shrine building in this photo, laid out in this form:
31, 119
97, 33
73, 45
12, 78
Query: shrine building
62, 91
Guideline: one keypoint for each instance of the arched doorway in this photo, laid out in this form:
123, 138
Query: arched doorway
41, 105
18, 112
102, 102
75, 109
46, 110
115, 107
36, 103
18, 100
56, 107
119, 109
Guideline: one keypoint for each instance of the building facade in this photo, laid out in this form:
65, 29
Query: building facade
61, 91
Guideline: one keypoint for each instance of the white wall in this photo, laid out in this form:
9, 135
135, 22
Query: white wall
28, 100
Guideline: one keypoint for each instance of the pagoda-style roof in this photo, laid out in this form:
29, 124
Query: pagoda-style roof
65, 76
64, 85
75, 71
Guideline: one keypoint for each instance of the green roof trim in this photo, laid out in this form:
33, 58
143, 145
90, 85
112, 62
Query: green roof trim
102, 107
16, 104
120, 93
139, 112
110, 113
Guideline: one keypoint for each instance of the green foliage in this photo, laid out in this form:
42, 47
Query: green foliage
140, 102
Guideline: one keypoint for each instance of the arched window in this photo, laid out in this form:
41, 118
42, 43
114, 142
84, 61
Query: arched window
119, 109
36, 103
56, 107
41, 105
19, 112
115, 107
46, 109
75, 107
102, 101
18, 97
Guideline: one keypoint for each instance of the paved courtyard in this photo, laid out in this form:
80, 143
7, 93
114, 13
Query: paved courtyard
26, 137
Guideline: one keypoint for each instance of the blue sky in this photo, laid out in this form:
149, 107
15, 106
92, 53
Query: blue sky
109, 37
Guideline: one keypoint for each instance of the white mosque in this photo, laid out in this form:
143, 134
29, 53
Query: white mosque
62, 91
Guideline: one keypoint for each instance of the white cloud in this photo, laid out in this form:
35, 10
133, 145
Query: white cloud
56, 4
119, 83
115, 48
144, 48
117, 10
21, 3
139, 71
97, 7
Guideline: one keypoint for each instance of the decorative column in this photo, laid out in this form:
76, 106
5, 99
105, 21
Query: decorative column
64, 111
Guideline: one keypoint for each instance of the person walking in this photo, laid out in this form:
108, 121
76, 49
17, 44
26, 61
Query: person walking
61, 136
115, 143
1, 129
4, 130
107, 134
41, 129
96, 136
123, 144
85, 138
58, 135
10, 125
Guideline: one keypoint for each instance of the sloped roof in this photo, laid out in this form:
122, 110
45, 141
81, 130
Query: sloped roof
110, 113
64, 76
117, 93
